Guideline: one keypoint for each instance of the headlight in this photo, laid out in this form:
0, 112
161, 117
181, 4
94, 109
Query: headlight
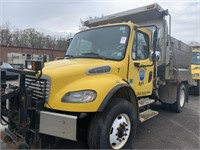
195, 75
79, 96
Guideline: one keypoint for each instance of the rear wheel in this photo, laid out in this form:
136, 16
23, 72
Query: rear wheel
115, 128
181, 99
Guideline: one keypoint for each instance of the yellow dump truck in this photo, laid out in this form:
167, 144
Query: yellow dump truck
195, 67
103, 87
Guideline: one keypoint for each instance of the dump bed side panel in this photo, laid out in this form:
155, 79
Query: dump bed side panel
176, 71
181, 60
183, 53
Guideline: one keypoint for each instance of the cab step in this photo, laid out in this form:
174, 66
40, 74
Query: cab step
148, 114
145, 101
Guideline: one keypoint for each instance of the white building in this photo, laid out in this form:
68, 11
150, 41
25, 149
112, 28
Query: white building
19, 58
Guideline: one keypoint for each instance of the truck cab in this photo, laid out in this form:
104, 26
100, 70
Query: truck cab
109, 76
110, 58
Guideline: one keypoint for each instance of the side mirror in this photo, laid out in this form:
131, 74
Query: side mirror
155, 37
155, 56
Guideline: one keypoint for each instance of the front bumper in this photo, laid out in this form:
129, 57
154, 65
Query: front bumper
59, 125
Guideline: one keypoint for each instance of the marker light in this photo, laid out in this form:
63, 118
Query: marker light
34, 65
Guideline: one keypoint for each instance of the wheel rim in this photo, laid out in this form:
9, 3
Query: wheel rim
182, 97
120, 131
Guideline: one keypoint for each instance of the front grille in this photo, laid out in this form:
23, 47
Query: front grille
40, 87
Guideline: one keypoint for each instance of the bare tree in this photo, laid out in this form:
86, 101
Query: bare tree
62, 43
31, 38
5, 34
16, 38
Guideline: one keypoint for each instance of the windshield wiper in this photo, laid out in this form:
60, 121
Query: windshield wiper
93, 55
69, 56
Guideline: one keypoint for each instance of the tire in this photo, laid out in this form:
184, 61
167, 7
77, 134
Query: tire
115, 127
196, 89
182, 94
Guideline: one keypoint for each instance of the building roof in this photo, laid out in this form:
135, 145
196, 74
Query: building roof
30, 47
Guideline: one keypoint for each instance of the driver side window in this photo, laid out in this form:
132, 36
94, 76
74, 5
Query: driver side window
141, 46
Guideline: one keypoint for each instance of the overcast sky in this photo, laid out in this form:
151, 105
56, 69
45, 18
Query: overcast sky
63, 16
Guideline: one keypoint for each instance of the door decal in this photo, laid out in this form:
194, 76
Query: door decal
141, 76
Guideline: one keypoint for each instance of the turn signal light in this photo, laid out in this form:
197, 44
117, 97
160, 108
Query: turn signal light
34, 65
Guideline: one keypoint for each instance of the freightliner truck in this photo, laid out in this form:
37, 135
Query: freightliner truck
102, 89
195, 67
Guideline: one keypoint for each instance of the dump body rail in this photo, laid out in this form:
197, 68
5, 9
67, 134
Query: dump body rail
141, 14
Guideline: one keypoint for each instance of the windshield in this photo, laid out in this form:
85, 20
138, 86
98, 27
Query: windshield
196, 58
102, 43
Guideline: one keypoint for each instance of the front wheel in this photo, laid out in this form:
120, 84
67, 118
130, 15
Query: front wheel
181, 99
115, 128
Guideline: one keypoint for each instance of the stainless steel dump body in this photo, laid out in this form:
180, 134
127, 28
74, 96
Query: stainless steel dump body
174, 63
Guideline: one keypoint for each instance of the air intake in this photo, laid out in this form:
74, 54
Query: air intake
99, 70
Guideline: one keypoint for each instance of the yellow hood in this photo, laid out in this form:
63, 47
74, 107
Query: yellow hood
71, 75
79, 67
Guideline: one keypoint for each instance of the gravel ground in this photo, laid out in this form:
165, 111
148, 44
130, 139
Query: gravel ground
170, 130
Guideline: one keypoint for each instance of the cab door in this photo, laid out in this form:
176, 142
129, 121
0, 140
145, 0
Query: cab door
141, 69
